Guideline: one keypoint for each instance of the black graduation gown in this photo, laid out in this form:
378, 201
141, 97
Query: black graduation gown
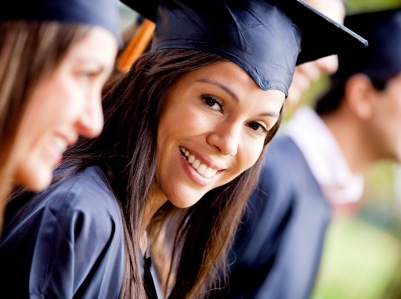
68, 243
278, 247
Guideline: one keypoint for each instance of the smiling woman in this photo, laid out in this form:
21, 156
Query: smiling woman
213, 127
184, 135
64, 104
53, 64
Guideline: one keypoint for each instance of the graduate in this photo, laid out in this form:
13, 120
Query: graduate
55, 56
148, 208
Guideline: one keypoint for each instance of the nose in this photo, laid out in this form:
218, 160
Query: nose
328, 65
225, 139
90, 122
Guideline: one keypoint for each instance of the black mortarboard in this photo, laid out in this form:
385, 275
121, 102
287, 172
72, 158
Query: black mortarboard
104, 13
264, 37
381, 60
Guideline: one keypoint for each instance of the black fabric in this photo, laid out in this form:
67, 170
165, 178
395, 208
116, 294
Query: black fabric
382, 59
148, 279
278, 246
66, 242
103, 13
266, 38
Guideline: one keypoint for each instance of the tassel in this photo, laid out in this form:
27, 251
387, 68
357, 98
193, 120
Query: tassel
136, 46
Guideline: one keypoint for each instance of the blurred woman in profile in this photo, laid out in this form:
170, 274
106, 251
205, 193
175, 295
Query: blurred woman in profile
55, 56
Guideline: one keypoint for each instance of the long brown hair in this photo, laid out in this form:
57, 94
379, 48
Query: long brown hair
126, 151
29, 50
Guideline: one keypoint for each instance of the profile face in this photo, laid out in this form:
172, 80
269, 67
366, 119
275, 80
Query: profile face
382, 128
64, 104
213, 128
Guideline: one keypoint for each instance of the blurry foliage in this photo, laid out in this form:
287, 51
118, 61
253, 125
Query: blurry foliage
360, 261
368, 5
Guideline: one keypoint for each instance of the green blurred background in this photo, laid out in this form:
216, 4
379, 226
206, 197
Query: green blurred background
362, 252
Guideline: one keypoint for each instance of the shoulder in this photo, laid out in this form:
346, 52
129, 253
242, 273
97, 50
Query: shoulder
286, 178
278, 187
283, 161
281, 149
81, 206
73, 229
86, 192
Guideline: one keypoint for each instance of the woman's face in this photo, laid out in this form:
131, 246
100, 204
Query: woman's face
381, 129
213, 128
64, 105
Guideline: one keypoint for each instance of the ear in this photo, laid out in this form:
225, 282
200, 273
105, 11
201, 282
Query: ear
359, 96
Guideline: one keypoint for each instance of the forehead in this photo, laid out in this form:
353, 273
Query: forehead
97, 44
228, 81
229, 75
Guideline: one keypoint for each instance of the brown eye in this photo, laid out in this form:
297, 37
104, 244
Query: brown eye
212, 103
258, 128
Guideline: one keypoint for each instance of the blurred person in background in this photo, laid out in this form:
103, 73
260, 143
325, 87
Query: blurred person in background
55, 56
316, 164
184, 136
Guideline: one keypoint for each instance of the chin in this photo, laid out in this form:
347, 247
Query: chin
37, 181
185, 202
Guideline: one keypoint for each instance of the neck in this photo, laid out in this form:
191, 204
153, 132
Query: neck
352, 141
155, 201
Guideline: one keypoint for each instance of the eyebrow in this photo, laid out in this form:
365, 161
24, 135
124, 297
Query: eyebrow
232, 94
102, 69
221, 86
270, 114
93, 61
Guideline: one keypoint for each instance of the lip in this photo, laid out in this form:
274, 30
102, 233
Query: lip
55, 152
193, 174
204, 159
70, 139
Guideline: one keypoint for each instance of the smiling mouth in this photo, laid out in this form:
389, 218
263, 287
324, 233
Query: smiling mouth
60, 143
200, 168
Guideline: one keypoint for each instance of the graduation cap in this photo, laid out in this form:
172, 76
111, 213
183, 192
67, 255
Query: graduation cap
266, 38
104, 13
381, 60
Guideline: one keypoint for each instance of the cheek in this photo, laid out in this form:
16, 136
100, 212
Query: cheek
58, 100
389, 112
32, 169
181, 123
250, 154
37, 120
397, 108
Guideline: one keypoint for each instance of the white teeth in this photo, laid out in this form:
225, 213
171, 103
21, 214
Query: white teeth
196, 164
191, 158
60, 143
209, 172
202, 169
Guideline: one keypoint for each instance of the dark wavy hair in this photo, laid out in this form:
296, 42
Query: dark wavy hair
29, 50
126, 151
